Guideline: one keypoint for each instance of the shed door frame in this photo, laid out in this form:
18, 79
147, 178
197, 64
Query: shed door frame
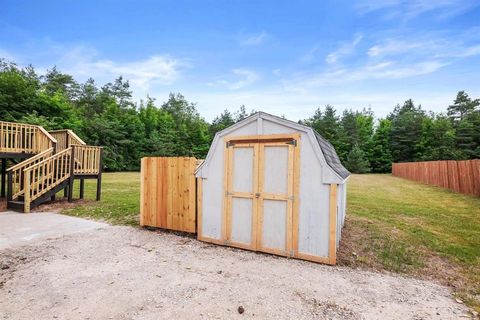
258, 143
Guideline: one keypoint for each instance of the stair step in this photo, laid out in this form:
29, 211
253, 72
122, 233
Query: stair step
15, 205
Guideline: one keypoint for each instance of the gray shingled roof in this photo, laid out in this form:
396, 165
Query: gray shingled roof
328, 150
331, 156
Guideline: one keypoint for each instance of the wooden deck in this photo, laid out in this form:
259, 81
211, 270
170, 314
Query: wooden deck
51, 162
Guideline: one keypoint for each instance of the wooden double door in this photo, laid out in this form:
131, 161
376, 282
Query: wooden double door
259, 197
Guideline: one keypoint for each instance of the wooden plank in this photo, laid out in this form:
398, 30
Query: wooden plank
142, 191
257, 203
170, 164
152, 215
332, 236
199, 196
290, 182
296, 196
225, 190
192, 196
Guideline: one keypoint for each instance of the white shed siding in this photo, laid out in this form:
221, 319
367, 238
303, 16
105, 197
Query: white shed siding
341, 197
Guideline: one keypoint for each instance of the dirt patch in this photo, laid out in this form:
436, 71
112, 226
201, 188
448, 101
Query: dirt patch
61, 204
130, 273
10, 260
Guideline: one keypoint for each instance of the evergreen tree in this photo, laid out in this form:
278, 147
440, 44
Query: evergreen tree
224, 120
327, 124
357, 161
462, 106
381, 155
405, 135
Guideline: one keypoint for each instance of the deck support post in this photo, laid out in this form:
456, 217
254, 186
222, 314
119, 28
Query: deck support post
4, 172
99, 177
72, 175
10, 186
82, 188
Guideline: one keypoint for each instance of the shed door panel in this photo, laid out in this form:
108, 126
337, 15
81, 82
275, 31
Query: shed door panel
242, 169
242, 210
241, 189
274, 224
276, 194
275, 169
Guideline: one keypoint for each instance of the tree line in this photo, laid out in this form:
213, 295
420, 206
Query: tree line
108, 116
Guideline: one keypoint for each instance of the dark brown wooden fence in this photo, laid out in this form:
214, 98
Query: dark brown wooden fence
459, 176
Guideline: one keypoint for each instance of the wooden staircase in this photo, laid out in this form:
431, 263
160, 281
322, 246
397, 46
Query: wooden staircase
51, 163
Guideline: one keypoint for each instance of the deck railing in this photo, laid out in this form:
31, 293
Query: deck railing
87, 160
24, 138
46, 175
16, 174
66, 138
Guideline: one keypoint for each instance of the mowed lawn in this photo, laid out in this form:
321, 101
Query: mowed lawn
392, 225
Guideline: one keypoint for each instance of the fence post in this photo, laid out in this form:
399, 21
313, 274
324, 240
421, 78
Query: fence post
4, 171
99, 177
26, 200
9, 186
72, 174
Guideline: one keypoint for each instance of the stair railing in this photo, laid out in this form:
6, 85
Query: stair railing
24, 138
66, 138
16, 175
46, 175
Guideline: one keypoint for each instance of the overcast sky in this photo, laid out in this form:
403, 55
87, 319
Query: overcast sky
282, 57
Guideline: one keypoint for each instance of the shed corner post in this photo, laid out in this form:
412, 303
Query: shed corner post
199, 196
332, 246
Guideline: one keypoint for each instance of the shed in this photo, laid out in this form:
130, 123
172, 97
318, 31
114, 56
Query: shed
272, 185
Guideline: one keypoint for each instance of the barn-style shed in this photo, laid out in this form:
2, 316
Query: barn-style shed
272, 185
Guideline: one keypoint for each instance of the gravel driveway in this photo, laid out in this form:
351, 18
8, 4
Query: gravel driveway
129, 273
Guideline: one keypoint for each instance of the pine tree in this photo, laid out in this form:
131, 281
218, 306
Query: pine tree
406, 131
462, 106
381, 156
357, 161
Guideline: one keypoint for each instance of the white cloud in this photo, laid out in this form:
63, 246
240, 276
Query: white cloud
433, 47
243, 78
142, 73
345, 49
385, 70
408, 9
254, 39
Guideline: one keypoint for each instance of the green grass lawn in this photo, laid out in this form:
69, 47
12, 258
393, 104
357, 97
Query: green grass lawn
120, 202
407, 227
392, 225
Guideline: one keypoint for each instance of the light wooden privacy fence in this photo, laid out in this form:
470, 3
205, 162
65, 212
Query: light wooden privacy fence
459, 176
168, 193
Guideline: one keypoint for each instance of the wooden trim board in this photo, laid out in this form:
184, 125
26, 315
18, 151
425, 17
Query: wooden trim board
332, 245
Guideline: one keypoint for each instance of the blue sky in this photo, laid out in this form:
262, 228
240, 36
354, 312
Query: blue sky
282, 57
